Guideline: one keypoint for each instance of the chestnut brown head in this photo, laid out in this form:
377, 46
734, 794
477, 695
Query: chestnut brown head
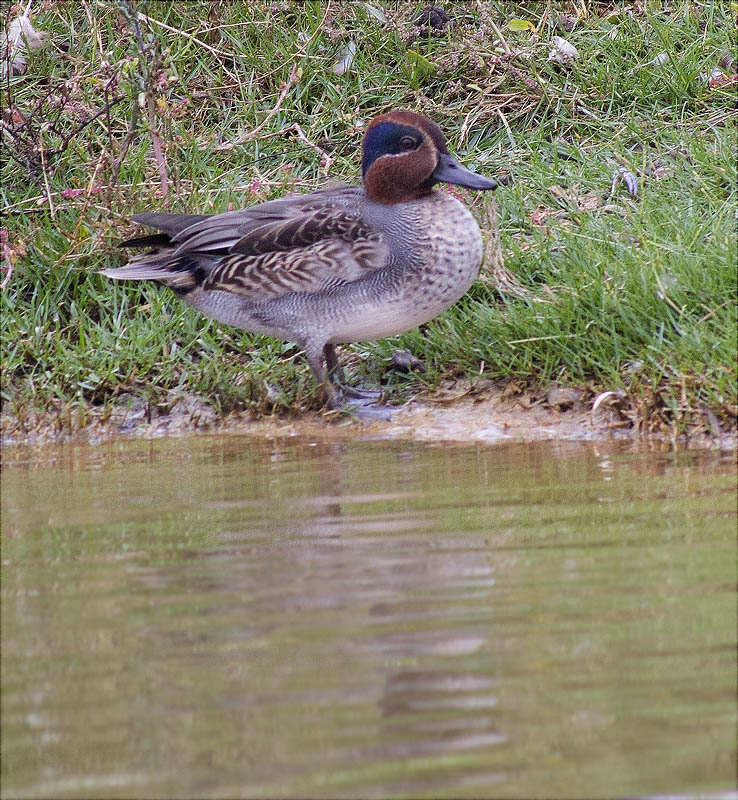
404, 154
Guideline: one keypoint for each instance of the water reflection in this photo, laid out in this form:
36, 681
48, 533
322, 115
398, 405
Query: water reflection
235, 617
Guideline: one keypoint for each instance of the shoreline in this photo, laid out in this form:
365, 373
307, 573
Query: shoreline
462, 416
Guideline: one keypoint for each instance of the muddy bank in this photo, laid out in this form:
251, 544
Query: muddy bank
457, 413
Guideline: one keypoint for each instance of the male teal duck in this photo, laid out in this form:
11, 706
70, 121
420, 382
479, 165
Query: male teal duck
339, 265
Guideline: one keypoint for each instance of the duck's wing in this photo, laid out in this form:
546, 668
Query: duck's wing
281, 224
329, 262
302, 244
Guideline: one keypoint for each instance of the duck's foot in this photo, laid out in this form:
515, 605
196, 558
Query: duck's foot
360, 403
368, 395
368, 411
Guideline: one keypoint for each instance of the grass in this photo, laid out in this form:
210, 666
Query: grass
632, 293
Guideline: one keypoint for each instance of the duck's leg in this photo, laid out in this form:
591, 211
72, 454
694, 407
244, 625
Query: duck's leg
335, 373
329, 376
315, 355
336, 376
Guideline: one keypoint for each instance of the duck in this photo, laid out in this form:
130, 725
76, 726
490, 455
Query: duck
338, 265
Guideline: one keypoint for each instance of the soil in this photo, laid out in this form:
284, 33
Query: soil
459, 413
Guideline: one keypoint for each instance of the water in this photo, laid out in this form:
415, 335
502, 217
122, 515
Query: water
241, 617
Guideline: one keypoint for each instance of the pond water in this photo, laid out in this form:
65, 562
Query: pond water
233, 616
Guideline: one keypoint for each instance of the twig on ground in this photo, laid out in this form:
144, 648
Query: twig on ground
149, 65
130, 135
327, 160
465, 126
9, 274
498, 33
82, 213
494, 271
291, 81
6, 255
68, 137
510, 136
214, 50
157, 148
46, 177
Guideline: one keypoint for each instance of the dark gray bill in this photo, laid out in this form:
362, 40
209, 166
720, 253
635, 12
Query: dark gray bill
450, 171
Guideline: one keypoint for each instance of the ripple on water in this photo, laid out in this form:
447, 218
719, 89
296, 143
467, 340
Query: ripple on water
227, 616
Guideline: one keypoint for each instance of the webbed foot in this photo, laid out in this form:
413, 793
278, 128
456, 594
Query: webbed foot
369, 411
369, 395
359, 403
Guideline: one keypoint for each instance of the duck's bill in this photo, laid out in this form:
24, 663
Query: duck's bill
450, 171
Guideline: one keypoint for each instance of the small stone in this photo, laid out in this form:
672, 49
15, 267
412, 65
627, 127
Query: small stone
567, 22
403, 361
562, 397
433, 17
562, 52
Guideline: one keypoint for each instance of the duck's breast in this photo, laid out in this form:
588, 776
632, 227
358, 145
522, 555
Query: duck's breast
436, 252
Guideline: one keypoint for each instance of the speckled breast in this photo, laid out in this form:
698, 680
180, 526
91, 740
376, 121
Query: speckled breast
453, 254
440, 249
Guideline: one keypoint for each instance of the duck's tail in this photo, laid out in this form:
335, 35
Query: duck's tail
146, 269
180, 272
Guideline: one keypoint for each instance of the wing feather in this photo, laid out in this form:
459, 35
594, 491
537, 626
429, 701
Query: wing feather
297, 244
318, 267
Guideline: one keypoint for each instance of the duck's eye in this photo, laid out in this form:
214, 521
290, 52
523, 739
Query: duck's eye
407, 143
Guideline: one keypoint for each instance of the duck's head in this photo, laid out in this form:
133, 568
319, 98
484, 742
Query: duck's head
404, 154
